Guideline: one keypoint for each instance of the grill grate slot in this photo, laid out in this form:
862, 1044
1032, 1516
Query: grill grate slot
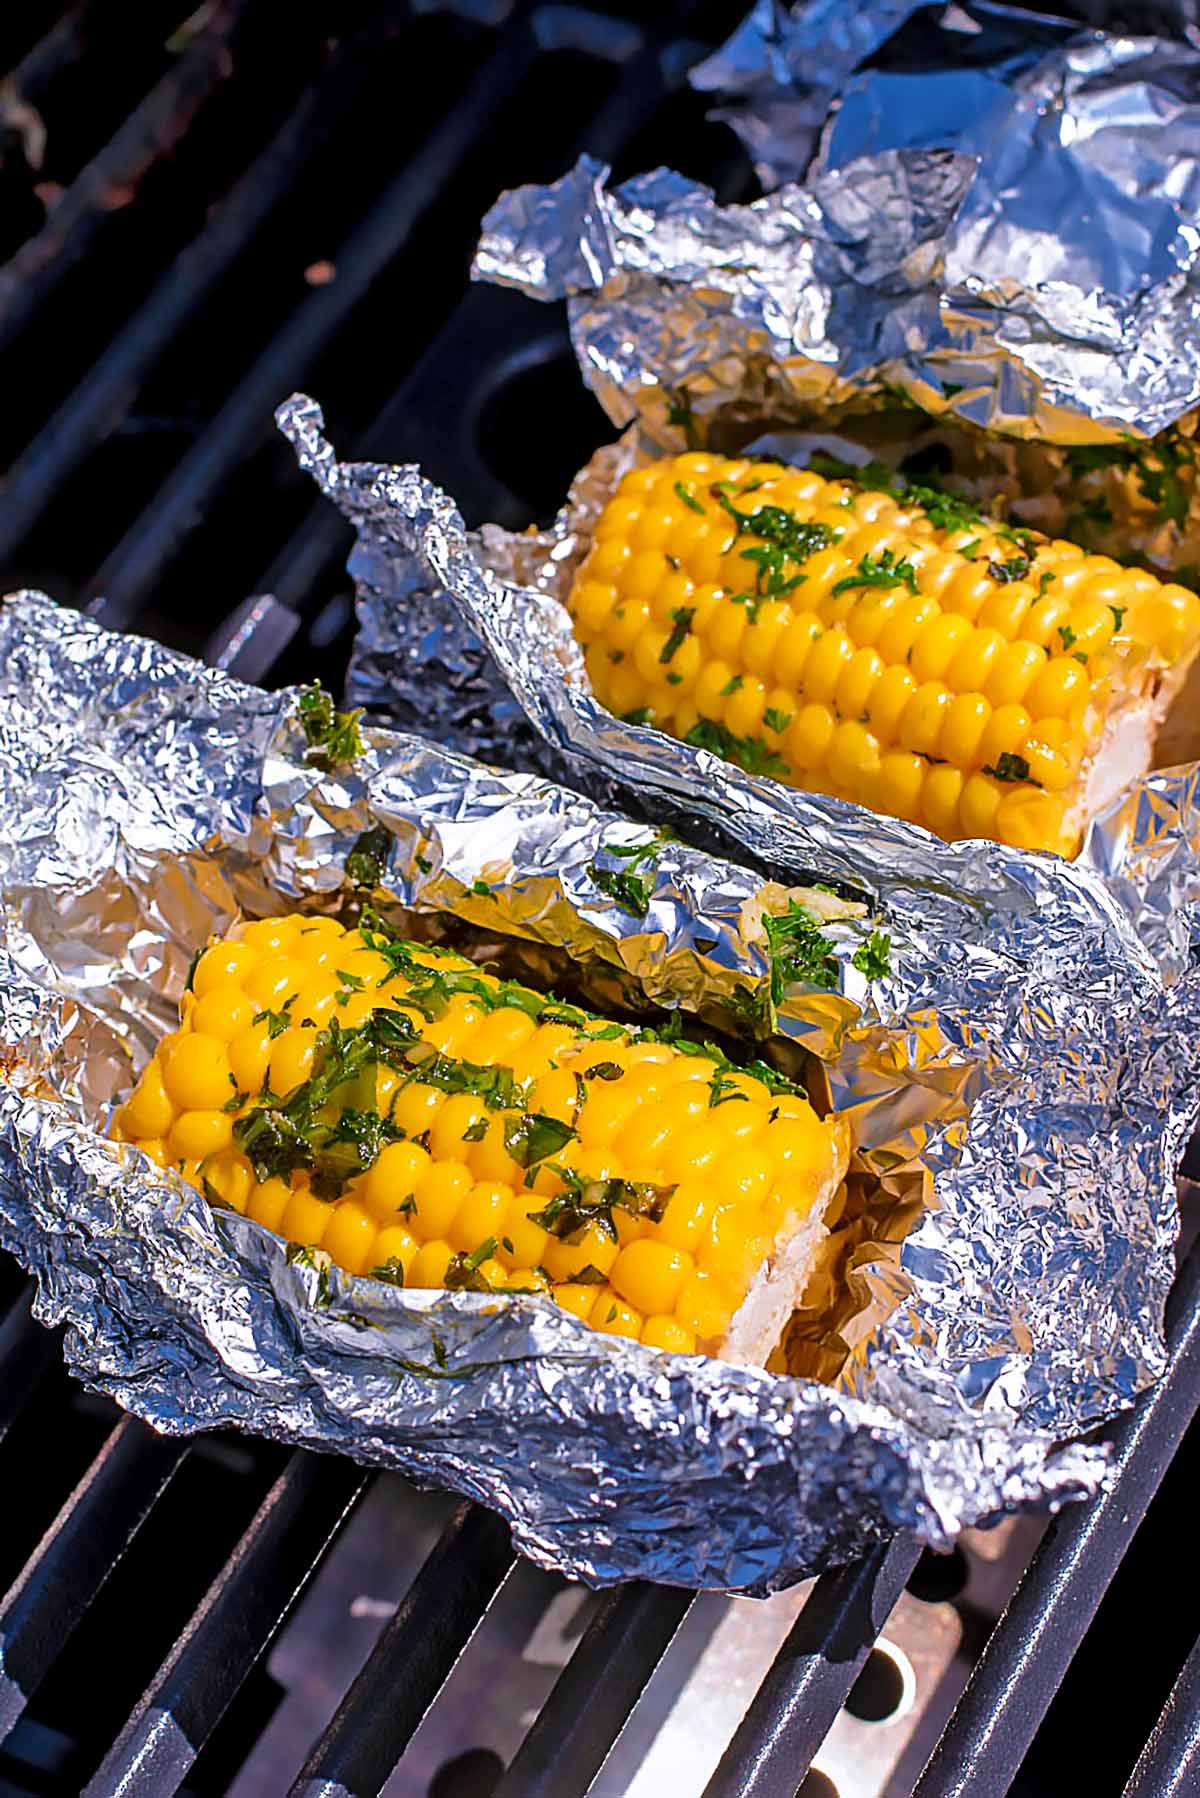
411, 1661
1025, 1660
796, 1704
595, 1694
240, 1614
1170, 1765
76, 1556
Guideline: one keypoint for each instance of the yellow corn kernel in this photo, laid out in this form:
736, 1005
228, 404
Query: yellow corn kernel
196, 1073
150, 1111
650, 1275
429, 1264
612, 1317
668, 1334
195, 1134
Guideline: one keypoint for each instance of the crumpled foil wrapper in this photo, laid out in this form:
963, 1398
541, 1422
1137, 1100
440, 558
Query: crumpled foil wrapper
1053, 1007
783, 67
1000, 230
1025, 1056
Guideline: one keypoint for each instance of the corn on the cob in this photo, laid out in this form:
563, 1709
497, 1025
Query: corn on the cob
425, 1122
891, 647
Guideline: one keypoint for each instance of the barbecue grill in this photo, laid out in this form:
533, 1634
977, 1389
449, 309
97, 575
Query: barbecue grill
199, 211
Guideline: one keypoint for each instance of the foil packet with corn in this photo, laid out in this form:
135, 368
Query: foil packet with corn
906, 510
708, 1227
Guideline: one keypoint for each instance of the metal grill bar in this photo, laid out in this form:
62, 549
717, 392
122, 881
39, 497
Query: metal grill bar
412, 1659
137, 561
794, 1708
108, 390
150, 130
76, 1555
1031, 1648
1169, 1766
596, 1692
232, 1627
27, 1351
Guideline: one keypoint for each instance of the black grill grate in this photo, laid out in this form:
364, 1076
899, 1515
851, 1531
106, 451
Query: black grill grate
241, 202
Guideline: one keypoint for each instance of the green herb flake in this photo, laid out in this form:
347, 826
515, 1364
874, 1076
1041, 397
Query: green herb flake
604, 1070
390, 1272
679, 412
530, 1138
628, 889
463, 1271
276, 1021
641, 714
1014, 569
681, 624
367, 858
1118, 613
732, 685
1009, 767
477, 1131
872, 957
481, 889
587, 1276
612, 1312
236, 1102
776, 720
689, 499
1068, 637
798, 951
189, 983
334, 738
748, 753
882, 571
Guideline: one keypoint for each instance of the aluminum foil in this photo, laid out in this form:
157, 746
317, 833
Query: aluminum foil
1043, 994
1017, 1066
999, 228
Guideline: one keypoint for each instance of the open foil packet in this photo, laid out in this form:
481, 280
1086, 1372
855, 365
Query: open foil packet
980, 248
1024, 1060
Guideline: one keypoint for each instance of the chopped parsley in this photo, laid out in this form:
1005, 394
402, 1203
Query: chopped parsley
873, 956
588, 1201
368, 857
477, 1131
530, 1138
391, 1271
776, 720
679, 412
604, 1070
797, 950
1014, 569
334, 738
1009, 767
1068, 637
464, 1272
1157, 467
1118, 613
879, 571
481, 889
732, 685
681, 624
276, 1021
625, 886
689, 498
748, 753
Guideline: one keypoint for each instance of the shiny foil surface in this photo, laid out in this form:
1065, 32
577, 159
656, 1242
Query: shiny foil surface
1035, 1063
1017, 1072
999, 227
